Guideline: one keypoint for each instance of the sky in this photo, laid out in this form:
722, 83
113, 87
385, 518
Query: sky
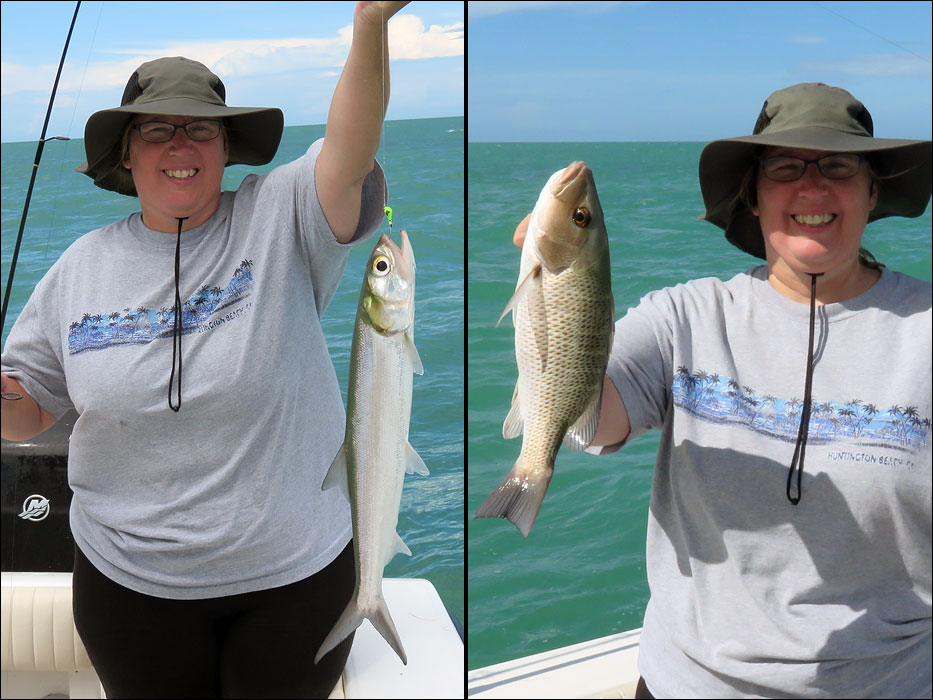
687, 71
268, 54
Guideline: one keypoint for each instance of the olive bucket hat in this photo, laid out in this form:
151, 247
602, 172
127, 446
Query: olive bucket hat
176, 86
818, 117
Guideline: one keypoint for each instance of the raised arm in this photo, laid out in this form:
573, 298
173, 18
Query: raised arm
354, 122
23, 418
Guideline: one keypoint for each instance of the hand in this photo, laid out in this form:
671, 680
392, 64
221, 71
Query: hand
377, 12
520, 231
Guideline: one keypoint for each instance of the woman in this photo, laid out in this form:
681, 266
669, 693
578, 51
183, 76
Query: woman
208, 562
789, 532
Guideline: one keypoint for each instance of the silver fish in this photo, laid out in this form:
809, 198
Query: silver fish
563, 314
371, 465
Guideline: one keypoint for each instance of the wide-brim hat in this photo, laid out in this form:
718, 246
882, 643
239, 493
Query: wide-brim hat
817, 117
176, 86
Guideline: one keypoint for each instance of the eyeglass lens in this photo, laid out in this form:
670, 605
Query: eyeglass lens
835, 166
159, 132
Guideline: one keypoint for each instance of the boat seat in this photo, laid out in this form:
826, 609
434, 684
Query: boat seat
41, 647
38, 628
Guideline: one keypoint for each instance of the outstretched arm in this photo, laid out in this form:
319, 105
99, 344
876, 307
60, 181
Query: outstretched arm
354, 123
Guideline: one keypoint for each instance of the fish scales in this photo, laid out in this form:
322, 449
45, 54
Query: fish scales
577, 311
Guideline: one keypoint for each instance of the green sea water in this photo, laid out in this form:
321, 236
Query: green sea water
581, 572
423, 160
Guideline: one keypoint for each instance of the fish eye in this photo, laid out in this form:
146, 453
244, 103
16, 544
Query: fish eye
381, 265
581, 217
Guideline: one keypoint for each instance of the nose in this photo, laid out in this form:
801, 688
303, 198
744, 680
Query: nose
180, 139
812, 178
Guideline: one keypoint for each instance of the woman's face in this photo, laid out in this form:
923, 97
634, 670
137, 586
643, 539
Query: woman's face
163, 176
813, 224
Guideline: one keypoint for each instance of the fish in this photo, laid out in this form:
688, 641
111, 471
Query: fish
371, 464
563, 313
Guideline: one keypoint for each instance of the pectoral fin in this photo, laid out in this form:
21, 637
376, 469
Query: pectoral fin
411, 352
531, 279
337, 474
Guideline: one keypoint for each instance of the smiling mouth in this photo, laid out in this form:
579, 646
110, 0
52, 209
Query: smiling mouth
813, 219
181, 174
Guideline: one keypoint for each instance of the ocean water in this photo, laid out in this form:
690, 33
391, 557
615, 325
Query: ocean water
581, 572
423, 161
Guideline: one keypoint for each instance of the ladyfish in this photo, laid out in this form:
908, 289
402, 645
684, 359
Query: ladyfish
563, 314
371, 464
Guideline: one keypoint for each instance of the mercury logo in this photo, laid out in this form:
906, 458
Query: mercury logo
35, 508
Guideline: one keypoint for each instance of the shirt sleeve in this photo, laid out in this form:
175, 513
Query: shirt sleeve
640, 365
325, 255
33, 356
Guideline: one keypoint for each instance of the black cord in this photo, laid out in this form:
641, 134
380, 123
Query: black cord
178, 326
801, 448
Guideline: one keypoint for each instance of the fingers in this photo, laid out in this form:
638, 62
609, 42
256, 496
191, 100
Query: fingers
520, 231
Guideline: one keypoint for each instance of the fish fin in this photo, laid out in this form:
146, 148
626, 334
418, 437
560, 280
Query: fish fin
351, 618
398, 547
337, 474
518, 498
382, 621
413, 462
520, 291
581, 433
411, 352
514, 423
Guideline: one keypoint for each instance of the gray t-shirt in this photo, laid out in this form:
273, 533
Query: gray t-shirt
223, 497
752, 596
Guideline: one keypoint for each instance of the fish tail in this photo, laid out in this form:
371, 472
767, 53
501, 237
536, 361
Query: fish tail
349, 620
352, 617
382, 621
518, 498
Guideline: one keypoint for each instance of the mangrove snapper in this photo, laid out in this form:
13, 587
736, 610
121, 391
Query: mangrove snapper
563, 314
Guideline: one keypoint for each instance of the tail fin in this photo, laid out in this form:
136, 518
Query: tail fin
382, 621
352, 617
518, 498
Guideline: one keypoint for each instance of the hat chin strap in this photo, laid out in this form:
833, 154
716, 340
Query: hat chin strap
801, 447
178, 325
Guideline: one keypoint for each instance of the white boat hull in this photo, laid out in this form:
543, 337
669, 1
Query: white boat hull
601, 668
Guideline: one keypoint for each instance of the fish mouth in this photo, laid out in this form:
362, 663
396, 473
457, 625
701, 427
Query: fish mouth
403, 252
572, 180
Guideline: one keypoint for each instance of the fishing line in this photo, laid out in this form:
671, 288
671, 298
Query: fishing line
887, 41
384, 30
11, 396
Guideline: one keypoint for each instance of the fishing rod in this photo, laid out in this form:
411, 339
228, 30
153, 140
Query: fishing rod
35, 169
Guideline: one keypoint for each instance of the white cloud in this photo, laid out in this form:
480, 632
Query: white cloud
408, 40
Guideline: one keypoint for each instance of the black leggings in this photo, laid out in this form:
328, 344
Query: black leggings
253, 645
